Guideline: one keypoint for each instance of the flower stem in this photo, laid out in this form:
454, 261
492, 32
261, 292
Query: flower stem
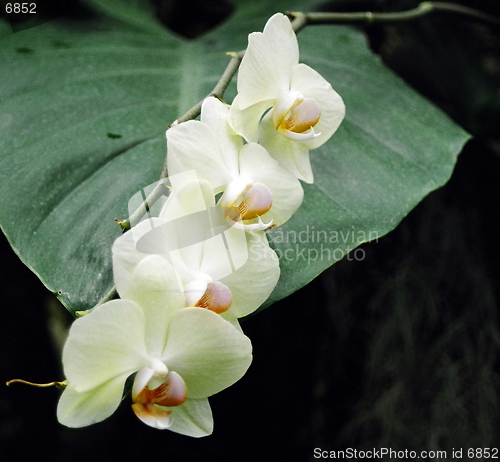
160, 190
300, 20
218, 92
59, 385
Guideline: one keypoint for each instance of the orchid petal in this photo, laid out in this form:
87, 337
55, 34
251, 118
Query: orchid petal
151, 282
213, 257
206, 351
266, 68
79, 409
187, 262
105, 344
214, 113
245, 122
278, 30
126, 255
193, 145
292, 155
234, 322
193, 418
313, 85
248, 286
187, 214
188, 198
154, 236
224, 253
236, 243
257, 163
155, 288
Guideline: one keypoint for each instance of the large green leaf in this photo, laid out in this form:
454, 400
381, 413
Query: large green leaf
83, 110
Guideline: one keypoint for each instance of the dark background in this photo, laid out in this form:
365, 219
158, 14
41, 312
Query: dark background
400, 350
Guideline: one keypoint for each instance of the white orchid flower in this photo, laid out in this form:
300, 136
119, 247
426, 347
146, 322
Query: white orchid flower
218, 267
252, 182
306, 111
181, 356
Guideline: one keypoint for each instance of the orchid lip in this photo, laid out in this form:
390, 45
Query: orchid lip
260, 226
171, 392
294, 116
284, 105
257, 201
235, 190
307, 136
194, 290
254, 201
303, 116
158, 367
141, 381
217, 298
153, 415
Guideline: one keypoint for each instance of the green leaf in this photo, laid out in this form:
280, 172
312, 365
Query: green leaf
83, 115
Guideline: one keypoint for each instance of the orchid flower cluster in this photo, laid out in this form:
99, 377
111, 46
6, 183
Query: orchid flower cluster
184, 277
